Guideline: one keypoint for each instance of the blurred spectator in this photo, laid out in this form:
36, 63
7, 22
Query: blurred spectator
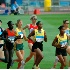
14, 8
3, 5
8, 3
6, 12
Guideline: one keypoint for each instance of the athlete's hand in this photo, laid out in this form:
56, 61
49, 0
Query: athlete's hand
66, 46
8, 40
5, 46
57, 45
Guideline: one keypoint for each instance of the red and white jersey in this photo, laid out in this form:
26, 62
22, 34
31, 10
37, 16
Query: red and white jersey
32, 27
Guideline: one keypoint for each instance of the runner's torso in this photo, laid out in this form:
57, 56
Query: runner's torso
19, 32
31, 28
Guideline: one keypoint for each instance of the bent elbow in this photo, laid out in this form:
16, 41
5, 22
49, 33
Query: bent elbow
26, 39
45, 39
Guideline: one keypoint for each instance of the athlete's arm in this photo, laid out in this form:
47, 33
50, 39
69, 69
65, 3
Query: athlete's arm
55, 43
45, 37
5, 34
16, 37
24, 35
67, 42
25, 38
68, 37
15, 32
31, 34
27, 26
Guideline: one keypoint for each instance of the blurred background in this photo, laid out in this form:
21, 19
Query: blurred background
44, 6
52, 13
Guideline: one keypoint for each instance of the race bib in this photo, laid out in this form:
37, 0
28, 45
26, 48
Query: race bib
63, 43
39, 38
11, 39
21, 34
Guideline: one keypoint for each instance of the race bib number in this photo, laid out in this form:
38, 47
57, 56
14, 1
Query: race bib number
21, 34
63, 44
11, 39
39, 39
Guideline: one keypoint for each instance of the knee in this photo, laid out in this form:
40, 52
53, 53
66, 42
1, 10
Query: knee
21, 59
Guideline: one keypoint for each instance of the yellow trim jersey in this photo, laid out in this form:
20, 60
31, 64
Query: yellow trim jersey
62, 40
19, 32
39, 36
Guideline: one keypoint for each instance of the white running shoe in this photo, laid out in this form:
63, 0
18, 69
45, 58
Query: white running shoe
22, 64
36, 67
52, 68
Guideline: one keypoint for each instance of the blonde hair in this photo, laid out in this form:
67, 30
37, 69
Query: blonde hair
33, 16
17, 22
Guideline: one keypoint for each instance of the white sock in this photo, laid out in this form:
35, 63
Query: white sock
56, 59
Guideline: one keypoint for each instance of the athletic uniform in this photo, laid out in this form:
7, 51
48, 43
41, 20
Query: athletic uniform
1, 44
11, 37
31, 28
63, 42
39, 37
9, 43
1, 41
19, 46
67, 32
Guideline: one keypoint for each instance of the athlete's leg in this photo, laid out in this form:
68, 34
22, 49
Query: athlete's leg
1, 52
6, 55
31, 53
65, 60
22, 62
35, 61
61, 61
20, 58
10, 58
40, 56
69, 63
55, 62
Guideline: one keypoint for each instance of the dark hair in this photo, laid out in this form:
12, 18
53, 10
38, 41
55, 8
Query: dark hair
0, 21
64, 21
14, 1
38, 23
0, 3
60, 27
10, 22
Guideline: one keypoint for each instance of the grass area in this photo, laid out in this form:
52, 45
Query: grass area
51, 22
